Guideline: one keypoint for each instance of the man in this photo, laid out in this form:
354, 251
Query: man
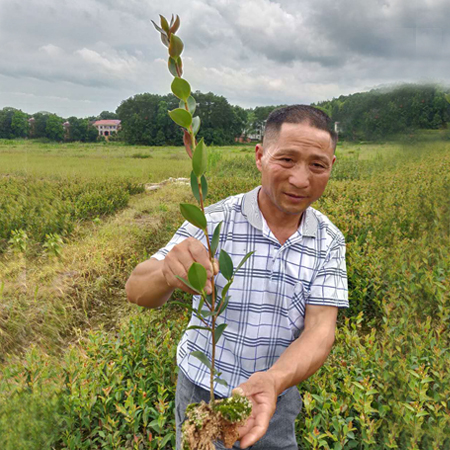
284, 301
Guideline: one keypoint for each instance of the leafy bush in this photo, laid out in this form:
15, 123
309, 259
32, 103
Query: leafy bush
40, 208
113, 391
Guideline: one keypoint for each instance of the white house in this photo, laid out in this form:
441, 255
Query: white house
107, 127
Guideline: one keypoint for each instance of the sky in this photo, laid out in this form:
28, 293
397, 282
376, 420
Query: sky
78, 58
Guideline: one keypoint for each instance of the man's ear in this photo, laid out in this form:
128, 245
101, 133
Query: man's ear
258, 156
334, 160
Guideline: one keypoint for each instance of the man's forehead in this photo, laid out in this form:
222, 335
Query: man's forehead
299, 133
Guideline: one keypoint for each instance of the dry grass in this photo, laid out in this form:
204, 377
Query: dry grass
47, 300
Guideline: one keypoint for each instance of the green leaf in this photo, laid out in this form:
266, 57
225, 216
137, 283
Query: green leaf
176, 46
200, 159
175, 26
181, 117
204, 187
194, 186
166, 439
195, 124
179, 63
189, 285
224, 305
181, 89
206, 313
203, 358
226, 265
215, 238
220, 381
194, 215
165, 40
226, 287
159, 28
164, 24
447, 97
173, 68
192, 105
195, 327
197, 276
209, 296
200, 305
243, 260
219, 331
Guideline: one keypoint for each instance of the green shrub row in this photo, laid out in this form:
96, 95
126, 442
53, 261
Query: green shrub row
115, 391
31, 210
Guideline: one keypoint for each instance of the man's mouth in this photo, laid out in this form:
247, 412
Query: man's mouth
296, 196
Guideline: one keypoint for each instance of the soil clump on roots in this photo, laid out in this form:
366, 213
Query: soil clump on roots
205, 425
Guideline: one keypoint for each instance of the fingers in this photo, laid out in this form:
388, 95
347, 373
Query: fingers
255, 428
171, 270
179, 260
253, 436
198, 253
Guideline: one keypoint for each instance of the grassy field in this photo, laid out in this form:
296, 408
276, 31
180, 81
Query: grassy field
82, 369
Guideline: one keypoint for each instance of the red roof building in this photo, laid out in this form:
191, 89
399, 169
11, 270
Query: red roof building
107, 127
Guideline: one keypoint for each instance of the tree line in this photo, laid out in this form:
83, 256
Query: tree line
380, 113
15, 123
371, 115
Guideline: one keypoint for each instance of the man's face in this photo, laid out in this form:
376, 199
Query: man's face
295, 167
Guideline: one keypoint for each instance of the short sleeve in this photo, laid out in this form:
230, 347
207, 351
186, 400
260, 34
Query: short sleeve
329, 287
185, 231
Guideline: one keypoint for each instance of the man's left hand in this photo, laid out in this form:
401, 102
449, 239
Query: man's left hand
260, 389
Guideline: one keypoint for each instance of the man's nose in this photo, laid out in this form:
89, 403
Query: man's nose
299, 177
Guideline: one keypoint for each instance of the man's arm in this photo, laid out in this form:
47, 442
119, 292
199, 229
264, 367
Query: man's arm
298, 362
314, 346
147, 285
152, 282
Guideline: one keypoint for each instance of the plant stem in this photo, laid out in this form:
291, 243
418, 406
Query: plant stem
211, 257
213, 303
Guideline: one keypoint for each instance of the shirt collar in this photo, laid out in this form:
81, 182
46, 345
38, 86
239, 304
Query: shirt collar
250, 209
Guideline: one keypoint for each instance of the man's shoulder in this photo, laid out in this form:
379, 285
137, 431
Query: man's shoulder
326, 229
232, 203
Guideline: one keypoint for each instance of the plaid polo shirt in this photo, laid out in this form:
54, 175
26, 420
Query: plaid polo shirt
269, 294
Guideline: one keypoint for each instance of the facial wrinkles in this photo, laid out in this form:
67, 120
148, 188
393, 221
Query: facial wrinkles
274, 151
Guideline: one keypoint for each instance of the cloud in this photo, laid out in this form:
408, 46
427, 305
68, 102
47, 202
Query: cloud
90, 55
111, 63
52, 50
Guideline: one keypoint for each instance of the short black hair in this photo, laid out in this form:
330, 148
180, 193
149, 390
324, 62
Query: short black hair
299, 114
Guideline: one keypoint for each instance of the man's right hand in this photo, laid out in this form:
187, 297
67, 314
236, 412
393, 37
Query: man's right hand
152, 281
179, 260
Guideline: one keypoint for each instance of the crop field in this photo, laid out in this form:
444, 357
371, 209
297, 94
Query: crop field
80, 368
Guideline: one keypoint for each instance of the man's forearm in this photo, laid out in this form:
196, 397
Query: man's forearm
302, 358
147, 285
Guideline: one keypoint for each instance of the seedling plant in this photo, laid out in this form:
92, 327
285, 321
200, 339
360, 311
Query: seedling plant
220, 419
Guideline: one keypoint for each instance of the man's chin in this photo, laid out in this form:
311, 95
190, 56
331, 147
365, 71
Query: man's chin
293, 211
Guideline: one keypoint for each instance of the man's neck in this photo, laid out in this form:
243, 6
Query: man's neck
281, 224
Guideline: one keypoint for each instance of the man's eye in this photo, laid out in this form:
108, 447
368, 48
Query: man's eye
288, 160
321, 166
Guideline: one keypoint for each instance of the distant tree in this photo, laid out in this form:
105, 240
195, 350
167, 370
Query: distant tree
240, 122
381, 112
54, 128
19, 124
91, 133
107, 115
6, 117
78, 129
40, 125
